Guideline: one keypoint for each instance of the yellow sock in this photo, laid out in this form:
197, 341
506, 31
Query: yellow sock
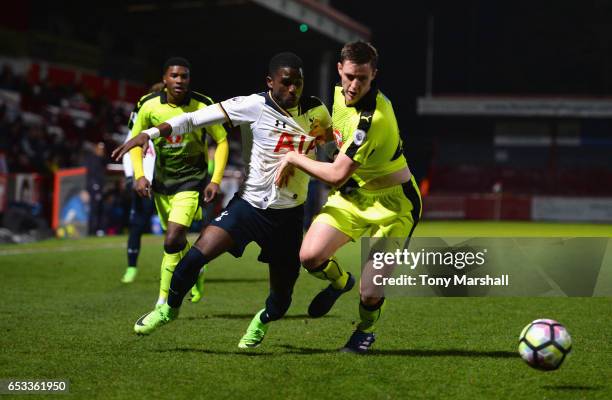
197, 291
369, 315
169, 262
333, 273
185, 250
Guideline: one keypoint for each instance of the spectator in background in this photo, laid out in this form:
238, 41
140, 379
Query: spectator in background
52, 136
74, 214
35, 147
8, 79
4, 143
96, 178
3, 164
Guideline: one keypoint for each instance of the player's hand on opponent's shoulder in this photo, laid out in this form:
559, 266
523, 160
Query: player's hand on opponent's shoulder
143, 187
211, 191
142, 140
285, 171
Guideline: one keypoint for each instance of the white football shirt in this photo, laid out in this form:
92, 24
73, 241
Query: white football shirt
274, 132
148, 162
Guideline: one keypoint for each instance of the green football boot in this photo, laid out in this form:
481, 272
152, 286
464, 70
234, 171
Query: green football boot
154, 319
255, 333
130, 275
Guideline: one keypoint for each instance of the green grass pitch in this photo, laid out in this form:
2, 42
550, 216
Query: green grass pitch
65, 315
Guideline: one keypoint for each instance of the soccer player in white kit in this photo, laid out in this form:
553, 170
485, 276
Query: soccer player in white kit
141, 208
280, 120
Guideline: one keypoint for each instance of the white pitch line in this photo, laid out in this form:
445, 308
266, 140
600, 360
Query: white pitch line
62, 249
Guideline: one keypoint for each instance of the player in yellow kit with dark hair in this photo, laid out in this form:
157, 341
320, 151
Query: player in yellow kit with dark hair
375, 193
180, 164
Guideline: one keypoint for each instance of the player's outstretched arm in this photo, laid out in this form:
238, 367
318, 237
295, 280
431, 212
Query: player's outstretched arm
187, 122
178, 125
140, 140
334, 174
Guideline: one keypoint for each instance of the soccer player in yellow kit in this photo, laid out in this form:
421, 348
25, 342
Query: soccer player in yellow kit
180, 164
375, 193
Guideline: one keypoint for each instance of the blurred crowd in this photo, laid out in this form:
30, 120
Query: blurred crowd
45, 127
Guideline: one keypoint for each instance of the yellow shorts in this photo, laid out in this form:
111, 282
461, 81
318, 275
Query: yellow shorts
181, 208
389, 212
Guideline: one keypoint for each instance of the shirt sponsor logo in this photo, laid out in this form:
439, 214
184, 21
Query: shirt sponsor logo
174, 139
286, 141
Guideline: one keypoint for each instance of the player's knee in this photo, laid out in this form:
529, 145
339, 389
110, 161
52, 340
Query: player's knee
175, 242
277, 305
370, 300
310, 259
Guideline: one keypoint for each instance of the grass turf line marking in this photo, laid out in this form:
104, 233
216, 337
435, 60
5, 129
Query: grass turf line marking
62, 249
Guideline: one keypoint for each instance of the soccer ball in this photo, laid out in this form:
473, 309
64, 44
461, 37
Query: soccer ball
544, 343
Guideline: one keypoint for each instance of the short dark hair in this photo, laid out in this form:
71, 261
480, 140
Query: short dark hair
360, 52
285, 59
180, 61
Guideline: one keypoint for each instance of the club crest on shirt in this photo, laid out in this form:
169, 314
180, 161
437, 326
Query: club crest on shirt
358, 137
